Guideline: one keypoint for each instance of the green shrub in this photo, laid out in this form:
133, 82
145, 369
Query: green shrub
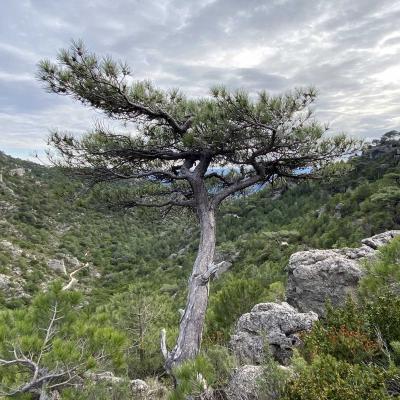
343, 334
211, 369
273, 381
384, 273
222, 362
191, 377
99, 391
383, 315
329, 379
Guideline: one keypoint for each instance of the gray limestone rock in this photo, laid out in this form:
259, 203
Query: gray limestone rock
316, 276
5, 282
274, 324
57, 265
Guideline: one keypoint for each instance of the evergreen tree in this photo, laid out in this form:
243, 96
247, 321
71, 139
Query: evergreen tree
51, 346
190, 153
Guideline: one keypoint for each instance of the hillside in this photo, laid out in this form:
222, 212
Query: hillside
45, 218
137, 263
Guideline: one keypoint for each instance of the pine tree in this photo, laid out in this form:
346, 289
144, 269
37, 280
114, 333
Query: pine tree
191, 153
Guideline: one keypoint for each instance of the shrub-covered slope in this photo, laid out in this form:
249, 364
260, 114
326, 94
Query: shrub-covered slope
135, 265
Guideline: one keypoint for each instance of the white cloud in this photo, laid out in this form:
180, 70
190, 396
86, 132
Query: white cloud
349, 50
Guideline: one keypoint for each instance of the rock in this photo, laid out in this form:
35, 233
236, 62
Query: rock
139, 386
5, 206
320, 211
57, 266
316, 276
243, 384
13, 249
72, 261
180, 252
338, 210
136, 385
380, 240
107, 376
5, 282
278, 324
17, 172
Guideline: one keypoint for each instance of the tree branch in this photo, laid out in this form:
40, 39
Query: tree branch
163, 344
222, 178
153, 204
240, 185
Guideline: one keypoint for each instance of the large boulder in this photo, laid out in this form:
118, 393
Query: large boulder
316, 276
273, 324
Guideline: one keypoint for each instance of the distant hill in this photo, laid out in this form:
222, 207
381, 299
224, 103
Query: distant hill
47, 231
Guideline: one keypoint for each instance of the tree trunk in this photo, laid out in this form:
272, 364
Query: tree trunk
192, 322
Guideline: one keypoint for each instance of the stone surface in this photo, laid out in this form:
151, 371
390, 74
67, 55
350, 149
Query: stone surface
72, 261
13, 249
5, 282
57, 266
243, 385
316, 276
17, 172
380, 240
272, 323
136, 385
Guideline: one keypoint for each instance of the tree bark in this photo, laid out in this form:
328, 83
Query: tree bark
192, 322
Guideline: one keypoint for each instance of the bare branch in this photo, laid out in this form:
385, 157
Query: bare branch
155, 204
163, 344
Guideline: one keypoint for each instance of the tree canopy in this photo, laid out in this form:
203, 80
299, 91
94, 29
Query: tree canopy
230, 139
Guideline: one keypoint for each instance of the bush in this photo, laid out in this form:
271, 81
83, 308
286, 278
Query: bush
99, 391
344, 334
211, 369
383, 316
329, 379
274, 379
192, 377
384, 273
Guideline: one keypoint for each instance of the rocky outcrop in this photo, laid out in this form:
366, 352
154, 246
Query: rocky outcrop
14, 250
5, 282
17, 172
316, 276
244, 383
273, 324
57, 265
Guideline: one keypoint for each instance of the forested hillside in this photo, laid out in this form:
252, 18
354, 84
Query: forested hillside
132, 267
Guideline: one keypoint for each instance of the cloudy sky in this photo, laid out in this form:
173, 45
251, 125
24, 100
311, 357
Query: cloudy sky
350, 50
